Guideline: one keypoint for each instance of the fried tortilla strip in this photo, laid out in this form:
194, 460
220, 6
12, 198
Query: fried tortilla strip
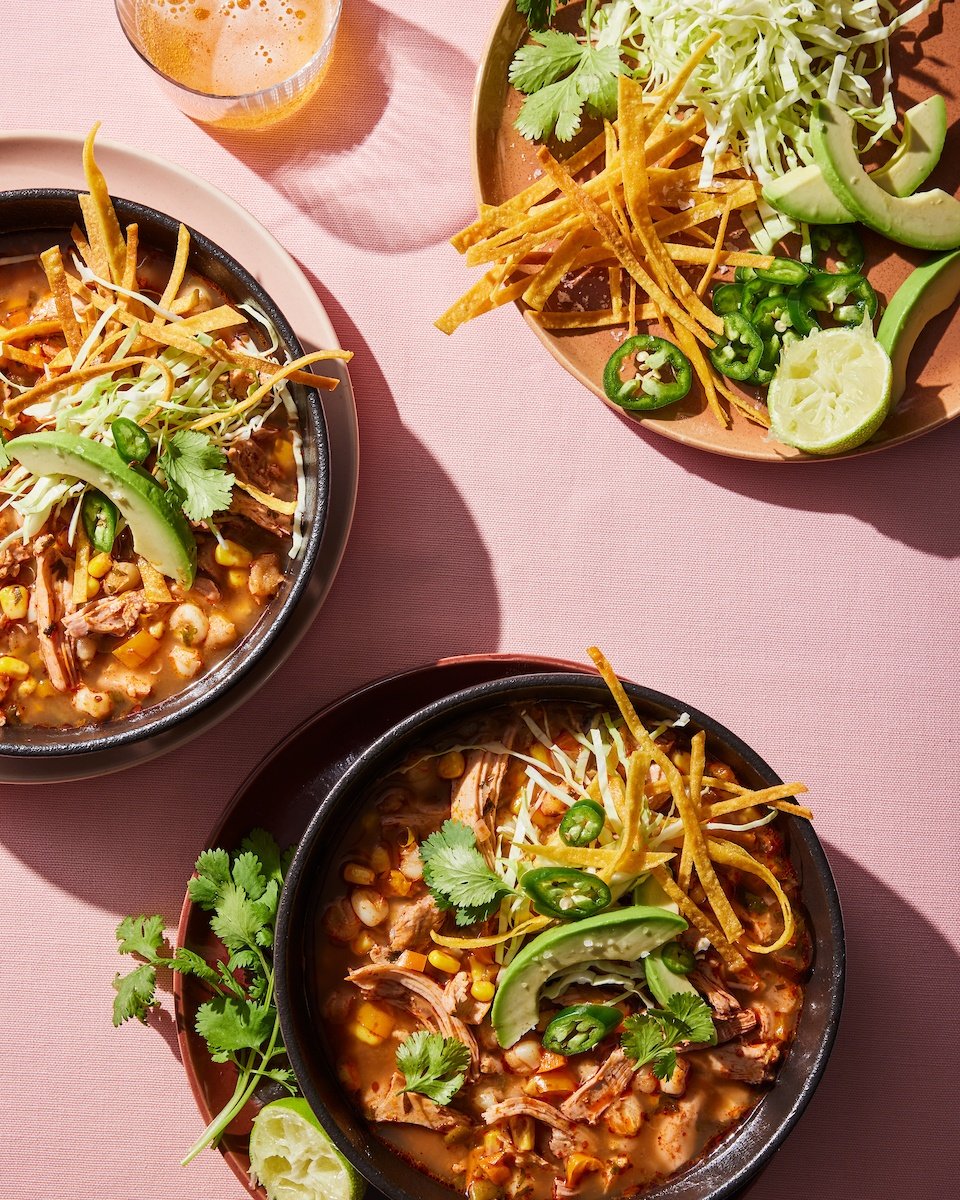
129, 281
290, 371
697, 763
729, 922
286, 507
185, 303
487, 293
732, 855
102, 212
600, 318
80, 575
287, 371
701, 213
699, 920
704, 372
48, 387
771, 797
609, 232
177, 272
154, 585
615, 281
26, 357
98, 260
728, 258
636, 190
547, 280
224, 317
711, 267
671, 93
494, 939
23, 333
758, 415
52, 261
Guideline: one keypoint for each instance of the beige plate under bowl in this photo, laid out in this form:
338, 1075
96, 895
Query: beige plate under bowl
504, 162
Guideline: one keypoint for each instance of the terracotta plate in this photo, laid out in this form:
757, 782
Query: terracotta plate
924, 61
281, 795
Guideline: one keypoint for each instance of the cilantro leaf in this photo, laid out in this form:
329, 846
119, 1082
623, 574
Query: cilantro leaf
136, 994
539, 13
248, 874
193, 464
228, 1024
651, 1036
695, 1017
433, 1065
264, 846
458, 875
188, 962
140, 935
237, 920
560, 76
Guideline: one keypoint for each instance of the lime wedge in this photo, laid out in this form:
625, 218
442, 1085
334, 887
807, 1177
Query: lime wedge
831, 391
294, 1159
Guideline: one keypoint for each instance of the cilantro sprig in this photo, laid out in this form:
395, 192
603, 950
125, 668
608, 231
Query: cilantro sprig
433, 1065
194, 469
539, 13
651, 1036
239, 1023
561, 74
458, 875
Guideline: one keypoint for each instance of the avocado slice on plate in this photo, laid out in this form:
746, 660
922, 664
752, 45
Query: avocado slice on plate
160, 531
925, 292
625, 934
929, 220
663, 982
805, 195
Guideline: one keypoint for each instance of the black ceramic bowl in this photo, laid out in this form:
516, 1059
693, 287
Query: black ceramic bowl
729, 1166
46, 755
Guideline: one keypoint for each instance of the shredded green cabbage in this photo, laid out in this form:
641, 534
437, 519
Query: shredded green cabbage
757, 85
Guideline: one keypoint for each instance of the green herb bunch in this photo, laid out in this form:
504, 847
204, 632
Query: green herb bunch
239, 1023
652, 1036
458, 875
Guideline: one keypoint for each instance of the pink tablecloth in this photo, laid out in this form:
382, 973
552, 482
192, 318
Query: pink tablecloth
501, 506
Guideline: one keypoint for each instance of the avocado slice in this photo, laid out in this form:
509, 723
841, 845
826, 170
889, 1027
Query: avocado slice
805, 195
160, 531
924, 133
663, 982
623, 934
929, 220
925, 292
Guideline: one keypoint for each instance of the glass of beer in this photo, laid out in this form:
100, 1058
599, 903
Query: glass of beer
236, 64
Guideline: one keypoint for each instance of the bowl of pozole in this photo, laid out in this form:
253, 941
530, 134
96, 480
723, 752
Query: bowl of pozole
163, 483
553, 938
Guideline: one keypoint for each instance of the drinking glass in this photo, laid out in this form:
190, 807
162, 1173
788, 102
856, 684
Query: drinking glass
236, 64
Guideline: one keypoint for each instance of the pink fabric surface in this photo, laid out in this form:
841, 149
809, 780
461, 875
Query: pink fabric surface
501, 507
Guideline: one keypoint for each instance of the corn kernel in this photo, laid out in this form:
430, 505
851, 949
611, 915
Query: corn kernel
483, 990
451, 765
356, 873
45, 689
398, 884
380, 859
232, 554
364, 1035
14, 600
237, 578
100, 565
13, 668
443, 962
27, 687
362, 943
93, 587
539, 751
374, 1019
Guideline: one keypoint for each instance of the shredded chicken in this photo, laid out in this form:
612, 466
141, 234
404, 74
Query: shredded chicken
477, 792
523, 1106
412, 924
409, 1108
421, 995
747, 1064
735, 1026
56, 649
589, 1101
708, 984
115, 615
251, 463
14, 556
245, 507
677, 1133
459, 1001
265, 576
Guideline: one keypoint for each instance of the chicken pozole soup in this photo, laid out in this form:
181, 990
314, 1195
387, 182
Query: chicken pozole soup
565, 953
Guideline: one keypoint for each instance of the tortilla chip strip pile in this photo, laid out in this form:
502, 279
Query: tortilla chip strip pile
98, 315
623, 220
701, 850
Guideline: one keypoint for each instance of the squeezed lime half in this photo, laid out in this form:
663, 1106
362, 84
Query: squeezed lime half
294, 1159
831, 391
